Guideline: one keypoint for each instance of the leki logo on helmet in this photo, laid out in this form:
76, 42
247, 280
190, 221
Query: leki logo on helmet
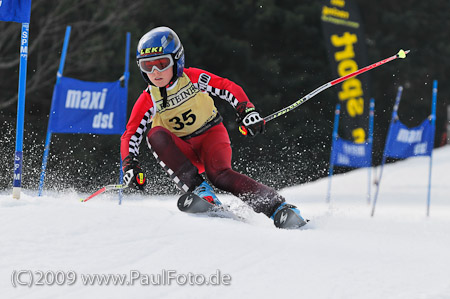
152, 50
140, 178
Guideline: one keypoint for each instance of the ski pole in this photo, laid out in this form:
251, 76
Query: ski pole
106, 188
400, 54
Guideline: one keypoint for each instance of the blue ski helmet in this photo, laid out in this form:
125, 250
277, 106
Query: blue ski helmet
161, 41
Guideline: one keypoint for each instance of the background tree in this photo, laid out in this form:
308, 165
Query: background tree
274, 50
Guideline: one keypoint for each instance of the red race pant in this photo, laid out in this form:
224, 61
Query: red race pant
209, 152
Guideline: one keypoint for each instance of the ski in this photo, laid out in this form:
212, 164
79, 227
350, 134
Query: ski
288, 219
193, 204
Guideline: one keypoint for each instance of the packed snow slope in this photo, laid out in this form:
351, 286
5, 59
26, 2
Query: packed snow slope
341, 253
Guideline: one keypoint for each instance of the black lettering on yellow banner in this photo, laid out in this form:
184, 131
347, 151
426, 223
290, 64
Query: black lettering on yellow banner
344, 38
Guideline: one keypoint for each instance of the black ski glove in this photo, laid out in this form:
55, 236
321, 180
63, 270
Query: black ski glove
249, 120
133, 176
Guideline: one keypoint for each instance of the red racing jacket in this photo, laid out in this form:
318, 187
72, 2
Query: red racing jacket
188, 111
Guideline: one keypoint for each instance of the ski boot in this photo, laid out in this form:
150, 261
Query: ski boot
201, 200
288, 216
205, 191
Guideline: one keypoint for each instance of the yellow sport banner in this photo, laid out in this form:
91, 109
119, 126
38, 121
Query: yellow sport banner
344, 39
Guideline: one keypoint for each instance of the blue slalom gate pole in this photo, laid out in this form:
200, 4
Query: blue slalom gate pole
126, 75
433, 122
333, 141
49, 133
393, 118
127, 60
18, 157
370, 141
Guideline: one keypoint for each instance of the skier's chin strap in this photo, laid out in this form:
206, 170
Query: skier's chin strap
163, 92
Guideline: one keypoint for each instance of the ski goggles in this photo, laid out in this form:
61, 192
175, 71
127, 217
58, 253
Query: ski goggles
161, 63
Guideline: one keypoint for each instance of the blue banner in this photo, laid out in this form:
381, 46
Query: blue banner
350, 154
15, 11
404, 142
88, 107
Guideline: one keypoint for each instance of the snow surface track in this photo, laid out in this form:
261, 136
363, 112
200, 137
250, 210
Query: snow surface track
342, 253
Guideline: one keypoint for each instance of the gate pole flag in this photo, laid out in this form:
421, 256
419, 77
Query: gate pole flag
394, 117
403, 142
350, 154
84, 107
19, 11
431, 142
370, 142
15, 11
126, 77
48, 137
337, 112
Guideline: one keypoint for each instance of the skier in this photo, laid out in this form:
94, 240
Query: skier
187, 136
